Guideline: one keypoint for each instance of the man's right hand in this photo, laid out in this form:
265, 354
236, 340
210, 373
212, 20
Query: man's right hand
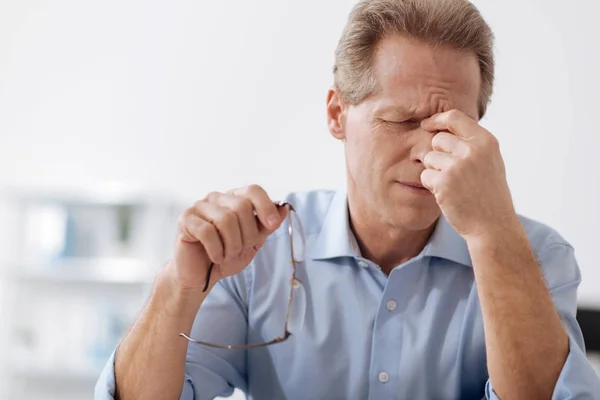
226, 229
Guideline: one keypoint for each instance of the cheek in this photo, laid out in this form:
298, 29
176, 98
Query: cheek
358, 156
367, 156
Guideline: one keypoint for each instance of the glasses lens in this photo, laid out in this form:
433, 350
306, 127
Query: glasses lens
298, 238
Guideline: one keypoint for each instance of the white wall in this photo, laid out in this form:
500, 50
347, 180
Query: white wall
192, 96
544, 112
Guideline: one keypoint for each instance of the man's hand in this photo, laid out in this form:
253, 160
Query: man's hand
465, 171
226, 229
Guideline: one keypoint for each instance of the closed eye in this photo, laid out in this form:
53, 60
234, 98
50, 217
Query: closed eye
406, 122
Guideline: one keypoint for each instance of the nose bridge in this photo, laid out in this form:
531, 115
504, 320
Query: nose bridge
422, 145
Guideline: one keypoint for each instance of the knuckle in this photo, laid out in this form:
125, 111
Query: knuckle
243, 205
493, 141
246, 190
253, 191
228, 219
181, 223
197, 204
184, 217
451, 172
253, 188
200, 204
453, 114
206, 231
212, 197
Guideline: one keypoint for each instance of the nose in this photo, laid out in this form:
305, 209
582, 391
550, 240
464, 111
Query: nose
422, 145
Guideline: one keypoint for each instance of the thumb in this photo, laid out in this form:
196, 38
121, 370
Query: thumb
264, 231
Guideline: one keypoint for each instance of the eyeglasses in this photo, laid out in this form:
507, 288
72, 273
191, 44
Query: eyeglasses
297, 250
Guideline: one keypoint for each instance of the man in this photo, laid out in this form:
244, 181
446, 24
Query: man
420, 282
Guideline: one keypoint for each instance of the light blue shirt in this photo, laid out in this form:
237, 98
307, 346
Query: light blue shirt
357, 333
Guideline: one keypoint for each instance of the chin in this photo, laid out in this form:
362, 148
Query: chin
414, 222
414, 216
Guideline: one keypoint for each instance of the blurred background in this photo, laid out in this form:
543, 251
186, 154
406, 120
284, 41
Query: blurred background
116, 115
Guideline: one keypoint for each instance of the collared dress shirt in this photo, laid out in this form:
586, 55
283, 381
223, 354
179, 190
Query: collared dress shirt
357, 333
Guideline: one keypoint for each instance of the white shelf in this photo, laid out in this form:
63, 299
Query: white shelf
110, 194
56, 374
87, 270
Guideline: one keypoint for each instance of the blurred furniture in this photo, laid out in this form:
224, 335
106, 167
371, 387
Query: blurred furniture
79, 267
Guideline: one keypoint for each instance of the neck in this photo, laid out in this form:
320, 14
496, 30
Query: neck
381, 242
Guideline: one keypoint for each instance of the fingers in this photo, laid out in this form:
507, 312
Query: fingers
448, 143
454, 121
265, 209
438, 160
229, 224
429, 179
192, 229
225, 221
244, 210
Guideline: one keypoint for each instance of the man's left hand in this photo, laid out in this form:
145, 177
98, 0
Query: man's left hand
465, 171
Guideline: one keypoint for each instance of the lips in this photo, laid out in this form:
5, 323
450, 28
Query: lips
416, 185
416, 188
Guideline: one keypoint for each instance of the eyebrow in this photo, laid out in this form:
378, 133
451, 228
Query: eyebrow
406, 113
397, 110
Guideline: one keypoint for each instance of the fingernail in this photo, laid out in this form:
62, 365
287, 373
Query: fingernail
272, 221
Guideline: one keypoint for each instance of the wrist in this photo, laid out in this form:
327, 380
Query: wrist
495, 245
509, 230
172, 298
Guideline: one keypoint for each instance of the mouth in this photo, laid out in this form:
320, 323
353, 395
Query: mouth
415, 188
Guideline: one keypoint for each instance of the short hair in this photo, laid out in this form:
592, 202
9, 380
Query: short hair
455, 23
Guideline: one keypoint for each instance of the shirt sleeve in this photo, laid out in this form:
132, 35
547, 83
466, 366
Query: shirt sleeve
105, 386
210, 372
577, 380
222, 319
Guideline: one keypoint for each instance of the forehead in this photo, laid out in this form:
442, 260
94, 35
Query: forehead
424, 78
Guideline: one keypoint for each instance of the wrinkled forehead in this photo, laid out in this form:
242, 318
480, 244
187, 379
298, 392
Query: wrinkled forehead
426, 78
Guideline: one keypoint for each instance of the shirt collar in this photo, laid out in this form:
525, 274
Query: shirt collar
337, 240
446, 243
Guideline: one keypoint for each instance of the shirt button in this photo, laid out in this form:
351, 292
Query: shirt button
296, 283
384, 377
391, 305
363, 264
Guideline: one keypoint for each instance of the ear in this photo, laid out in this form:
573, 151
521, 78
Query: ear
335, 114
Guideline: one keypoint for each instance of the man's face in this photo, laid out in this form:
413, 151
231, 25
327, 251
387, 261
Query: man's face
384, 143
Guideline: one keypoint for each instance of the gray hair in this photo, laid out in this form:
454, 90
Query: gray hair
456, 23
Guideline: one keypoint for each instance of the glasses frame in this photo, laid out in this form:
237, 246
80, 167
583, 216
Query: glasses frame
294, 278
